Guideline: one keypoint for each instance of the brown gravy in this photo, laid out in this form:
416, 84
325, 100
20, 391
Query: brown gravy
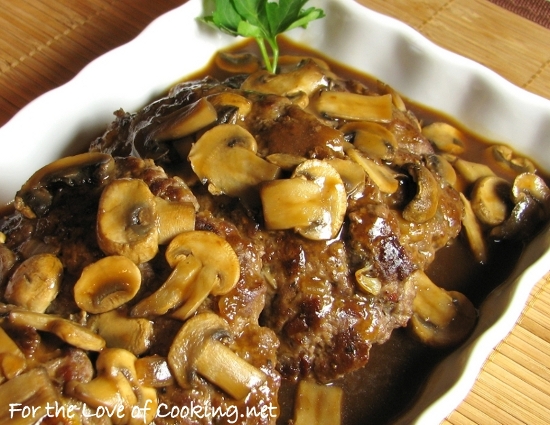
397, 369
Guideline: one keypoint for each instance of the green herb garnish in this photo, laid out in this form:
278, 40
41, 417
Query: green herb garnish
262, 20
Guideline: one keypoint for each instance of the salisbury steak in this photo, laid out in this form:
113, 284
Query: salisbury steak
236, 234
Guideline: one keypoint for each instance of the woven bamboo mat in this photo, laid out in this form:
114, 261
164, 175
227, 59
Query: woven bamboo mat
44, 43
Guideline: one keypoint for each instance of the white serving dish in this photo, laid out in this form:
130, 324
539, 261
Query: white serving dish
63, 121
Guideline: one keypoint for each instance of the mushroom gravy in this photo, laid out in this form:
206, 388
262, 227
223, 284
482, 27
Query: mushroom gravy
313, 299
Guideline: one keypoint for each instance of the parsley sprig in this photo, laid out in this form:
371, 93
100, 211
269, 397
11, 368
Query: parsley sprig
262, 20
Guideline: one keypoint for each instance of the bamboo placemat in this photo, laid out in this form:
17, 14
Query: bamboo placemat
44, 43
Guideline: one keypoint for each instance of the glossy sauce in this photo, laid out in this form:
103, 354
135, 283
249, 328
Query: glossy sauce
397, 369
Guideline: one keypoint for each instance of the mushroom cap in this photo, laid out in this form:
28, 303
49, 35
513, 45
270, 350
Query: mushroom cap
212, 251
445, 137
424, 205
35, 283
107, 284
189, 343
490, 200
371, 138
225, 157
306, 76
440, 318
313, 201
127, 220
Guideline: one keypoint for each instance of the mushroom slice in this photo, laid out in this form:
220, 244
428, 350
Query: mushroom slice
445, 137
154, 371
35, 283
231, 100
118, 387
423, 206
173, 292
313, 201
7, 262
127, 220
490, 200
531, 197
34, 198
285, 161
507, 159
353, 106
352, 174
440, 318
472, 171
530, 184
306, 77
373, 139
242, 63
203, 263
70, 332
474, 233
318, 404
442, 168
197, 349
107, 284
12, 359
382, 176
225, 157
120, 331
173, 218
33, 390
185, 121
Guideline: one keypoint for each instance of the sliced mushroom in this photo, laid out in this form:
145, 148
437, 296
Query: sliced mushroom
127, 220
490, 200
531, 197
424, 205
442, 168
12, 359
34, 198
154, 371
173, 292
242, 63
509, 160
353, 106
445, 137
32, 390
70, 332
7, 262
107, 284
382, 176
352, 174
285, 161
369, 284
440, 318
474, 232
173, 218
185, 121
120, 331
204, 263
373, 139
313, 201
530, 184
226, 158
307, 77
197, 349
472, 171
117, 386
35, 283
318, 404
227, 100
